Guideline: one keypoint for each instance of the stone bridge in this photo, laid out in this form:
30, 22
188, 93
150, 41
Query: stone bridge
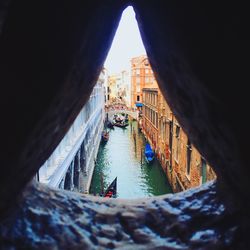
133, 114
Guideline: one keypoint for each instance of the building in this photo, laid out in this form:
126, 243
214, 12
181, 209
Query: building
104, 80
150, 115
180, 160
112, 89
142, 76
119, 88
125, 88
71, 164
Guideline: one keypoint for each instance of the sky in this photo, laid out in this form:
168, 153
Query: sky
127, 43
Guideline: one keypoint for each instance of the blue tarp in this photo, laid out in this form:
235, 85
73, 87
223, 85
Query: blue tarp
149, 153
138, 104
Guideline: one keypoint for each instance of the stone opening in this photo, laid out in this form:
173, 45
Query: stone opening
197, 50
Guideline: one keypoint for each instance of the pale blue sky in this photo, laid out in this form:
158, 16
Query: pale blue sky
127, 43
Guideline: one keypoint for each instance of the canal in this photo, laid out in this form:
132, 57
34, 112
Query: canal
121, 157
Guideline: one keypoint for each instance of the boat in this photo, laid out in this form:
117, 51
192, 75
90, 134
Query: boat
111, 190
105, 136
149, 153
118, 118
121, 124
126, 118
110, 124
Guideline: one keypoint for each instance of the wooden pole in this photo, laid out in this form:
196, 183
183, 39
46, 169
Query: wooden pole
102, 187
141, 156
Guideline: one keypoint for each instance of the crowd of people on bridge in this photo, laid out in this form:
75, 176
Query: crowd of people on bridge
117, 107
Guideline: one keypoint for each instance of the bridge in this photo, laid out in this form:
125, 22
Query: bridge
133, 114
118, 107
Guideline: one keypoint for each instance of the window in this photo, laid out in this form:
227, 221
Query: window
170, 135
137, 71
138, 98
146, 71
177, 135
203, 170
189, 151
177, 131
138, 80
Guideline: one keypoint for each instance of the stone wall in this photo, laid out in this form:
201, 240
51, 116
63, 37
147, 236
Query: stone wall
51, 55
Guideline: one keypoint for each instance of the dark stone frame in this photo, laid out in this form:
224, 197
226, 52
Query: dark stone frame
51, 55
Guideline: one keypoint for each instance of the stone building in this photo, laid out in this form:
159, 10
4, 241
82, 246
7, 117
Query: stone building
119, 88
72, 163
112, 88
182, 163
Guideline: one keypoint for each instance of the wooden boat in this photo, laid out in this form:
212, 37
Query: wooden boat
110, 124
111, 190
126, 118
105, 136
121, 124
149, 153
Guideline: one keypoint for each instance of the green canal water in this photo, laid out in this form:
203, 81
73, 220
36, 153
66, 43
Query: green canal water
121, 157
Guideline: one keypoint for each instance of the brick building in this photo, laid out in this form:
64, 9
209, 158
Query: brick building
150, 115
142, 76
180, 160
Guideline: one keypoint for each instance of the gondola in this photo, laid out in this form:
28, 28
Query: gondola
105, 136
111, 190
110, 124
121, 124
149, 153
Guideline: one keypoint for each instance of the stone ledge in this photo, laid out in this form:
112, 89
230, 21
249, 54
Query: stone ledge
55, 219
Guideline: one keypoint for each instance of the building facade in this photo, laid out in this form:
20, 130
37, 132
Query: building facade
71, 165
180, 160
150, 115
119, 88
142, 76
183, 164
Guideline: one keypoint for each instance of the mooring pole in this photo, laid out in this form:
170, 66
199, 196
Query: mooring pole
141, 156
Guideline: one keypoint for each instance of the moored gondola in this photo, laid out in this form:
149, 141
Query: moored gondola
149, 153
111, 191
105, 136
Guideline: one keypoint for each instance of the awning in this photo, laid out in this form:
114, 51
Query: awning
138, 104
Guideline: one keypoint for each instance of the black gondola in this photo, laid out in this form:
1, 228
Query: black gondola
110, 124
121, 124
105, 136
111, 190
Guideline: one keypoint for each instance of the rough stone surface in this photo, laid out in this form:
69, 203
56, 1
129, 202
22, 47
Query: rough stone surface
55, 219
192, 55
